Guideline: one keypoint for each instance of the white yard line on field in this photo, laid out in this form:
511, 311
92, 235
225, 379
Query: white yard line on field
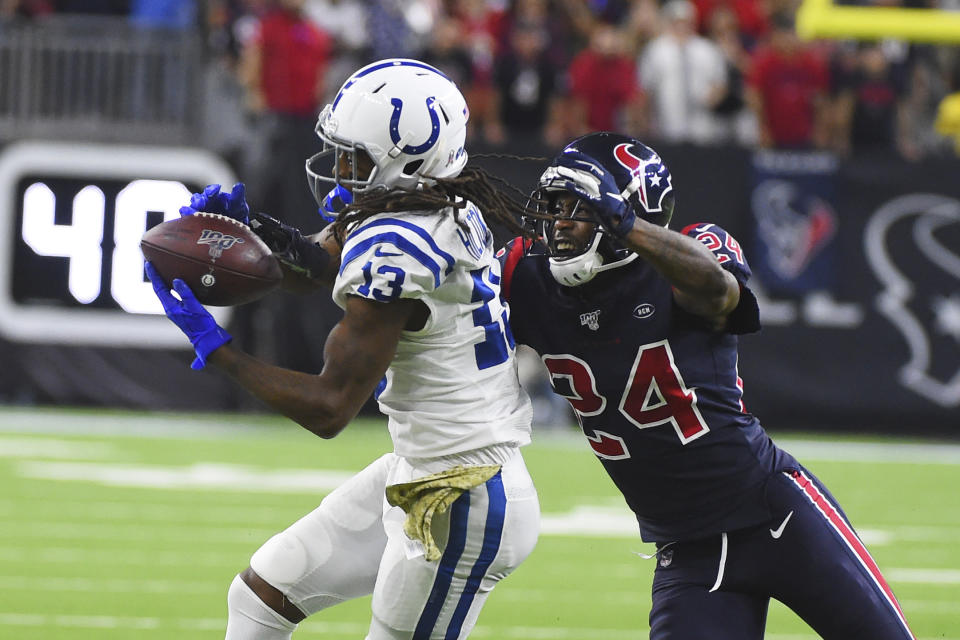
314, 628
34, 447
870, 452
311, 628
148, 533
832, 448
924, 576
107, 585
15, 555
44, 506
14, 619
157, 586
159, 425
935, 607
318, 628
572, 524
203, 475
217, 425
581, 520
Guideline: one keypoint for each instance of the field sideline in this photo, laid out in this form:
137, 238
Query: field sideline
119, 525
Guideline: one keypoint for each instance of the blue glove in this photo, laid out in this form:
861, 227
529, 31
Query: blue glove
338, 198
591, 182
212, 200
204, 333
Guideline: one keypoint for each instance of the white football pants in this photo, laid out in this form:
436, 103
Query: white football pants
353, 544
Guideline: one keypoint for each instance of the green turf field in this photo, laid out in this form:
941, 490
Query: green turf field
118, 525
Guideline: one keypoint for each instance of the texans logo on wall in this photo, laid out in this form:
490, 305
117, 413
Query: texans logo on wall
795, 221
912, 245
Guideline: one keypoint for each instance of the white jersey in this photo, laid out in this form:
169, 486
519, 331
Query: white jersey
452, 386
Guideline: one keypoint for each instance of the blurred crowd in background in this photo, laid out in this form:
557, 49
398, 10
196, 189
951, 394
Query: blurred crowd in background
536, 73
705, 72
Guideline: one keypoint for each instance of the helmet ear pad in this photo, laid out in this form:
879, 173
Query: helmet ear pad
660, 218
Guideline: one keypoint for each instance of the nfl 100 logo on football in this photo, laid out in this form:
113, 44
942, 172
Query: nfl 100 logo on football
218, 241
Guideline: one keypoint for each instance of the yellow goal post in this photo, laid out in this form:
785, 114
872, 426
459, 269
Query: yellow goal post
823, 19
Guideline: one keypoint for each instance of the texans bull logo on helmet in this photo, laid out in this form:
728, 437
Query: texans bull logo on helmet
650, 179
641, 175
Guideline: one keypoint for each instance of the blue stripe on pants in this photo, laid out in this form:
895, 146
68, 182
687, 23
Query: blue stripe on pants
493, 531
448, 563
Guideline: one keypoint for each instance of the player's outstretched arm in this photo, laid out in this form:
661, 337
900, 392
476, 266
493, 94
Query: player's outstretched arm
356, 355
700, 284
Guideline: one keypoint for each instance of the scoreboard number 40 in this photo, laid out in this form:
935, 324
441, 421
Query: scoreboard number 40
81, 241
71, 270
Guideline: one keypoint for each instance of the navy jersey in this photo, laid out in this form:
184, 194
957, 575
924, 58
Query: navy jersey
656, 391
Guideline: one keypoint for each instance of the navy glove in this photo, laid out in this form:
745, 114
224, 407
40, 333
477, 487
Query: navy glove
591, 182
204, 333
289, 246
212, 200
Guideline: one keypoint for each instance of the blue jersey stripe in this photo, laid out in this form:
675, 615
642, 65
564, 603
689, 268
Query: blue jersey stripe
493, 532
401, 243
448, 563
420, 231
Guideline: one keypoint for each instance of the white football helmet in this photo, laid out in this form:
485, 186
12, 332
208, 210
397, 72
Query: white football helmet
408, 117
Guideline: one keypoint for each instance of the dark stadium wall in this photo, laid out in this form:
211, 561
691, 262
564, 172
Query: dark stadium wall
856, 265
875, 343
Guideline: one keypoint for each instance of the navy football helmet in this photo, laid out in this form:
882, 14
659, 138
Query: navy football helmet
644, 182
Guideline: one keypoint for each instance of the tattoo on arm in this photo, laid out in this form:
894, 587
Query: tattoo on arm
701, 285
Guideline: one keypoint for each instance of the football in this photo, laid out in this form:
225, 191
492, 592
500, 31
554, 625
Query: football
222, 260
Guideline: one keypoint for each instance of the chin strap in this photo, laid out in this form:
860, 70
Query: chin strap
630, 257
578, 270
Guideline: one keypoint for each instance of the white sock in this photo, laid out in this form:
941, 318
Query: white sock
251, 619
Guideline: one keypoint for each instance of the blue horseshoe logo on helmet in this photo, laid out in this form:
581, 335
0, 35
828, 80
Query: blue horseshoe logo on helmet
395, 126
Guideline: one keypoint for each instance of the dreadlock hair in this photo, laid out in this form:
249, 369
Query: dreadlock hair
505, 206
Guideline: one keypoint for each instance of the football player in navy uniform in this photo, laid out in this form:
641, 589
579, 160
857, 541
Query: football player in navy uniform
638, 326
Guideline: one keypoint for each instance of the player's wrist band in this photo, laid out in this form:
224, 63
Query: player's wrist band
311, 257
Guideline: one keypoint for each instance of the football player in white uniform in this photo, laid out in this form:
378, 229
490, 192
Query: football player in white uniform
430, 528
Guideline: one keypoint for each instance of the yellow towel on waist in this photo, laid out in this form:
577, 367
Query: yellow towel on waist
424, 497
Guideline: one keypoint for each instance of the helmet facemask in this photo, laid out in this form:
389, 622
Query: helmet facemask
642, 179
559, 205
326, 170
573, 263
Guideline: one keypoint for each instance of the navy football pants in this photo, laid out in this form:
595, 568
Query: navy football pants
718, 588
